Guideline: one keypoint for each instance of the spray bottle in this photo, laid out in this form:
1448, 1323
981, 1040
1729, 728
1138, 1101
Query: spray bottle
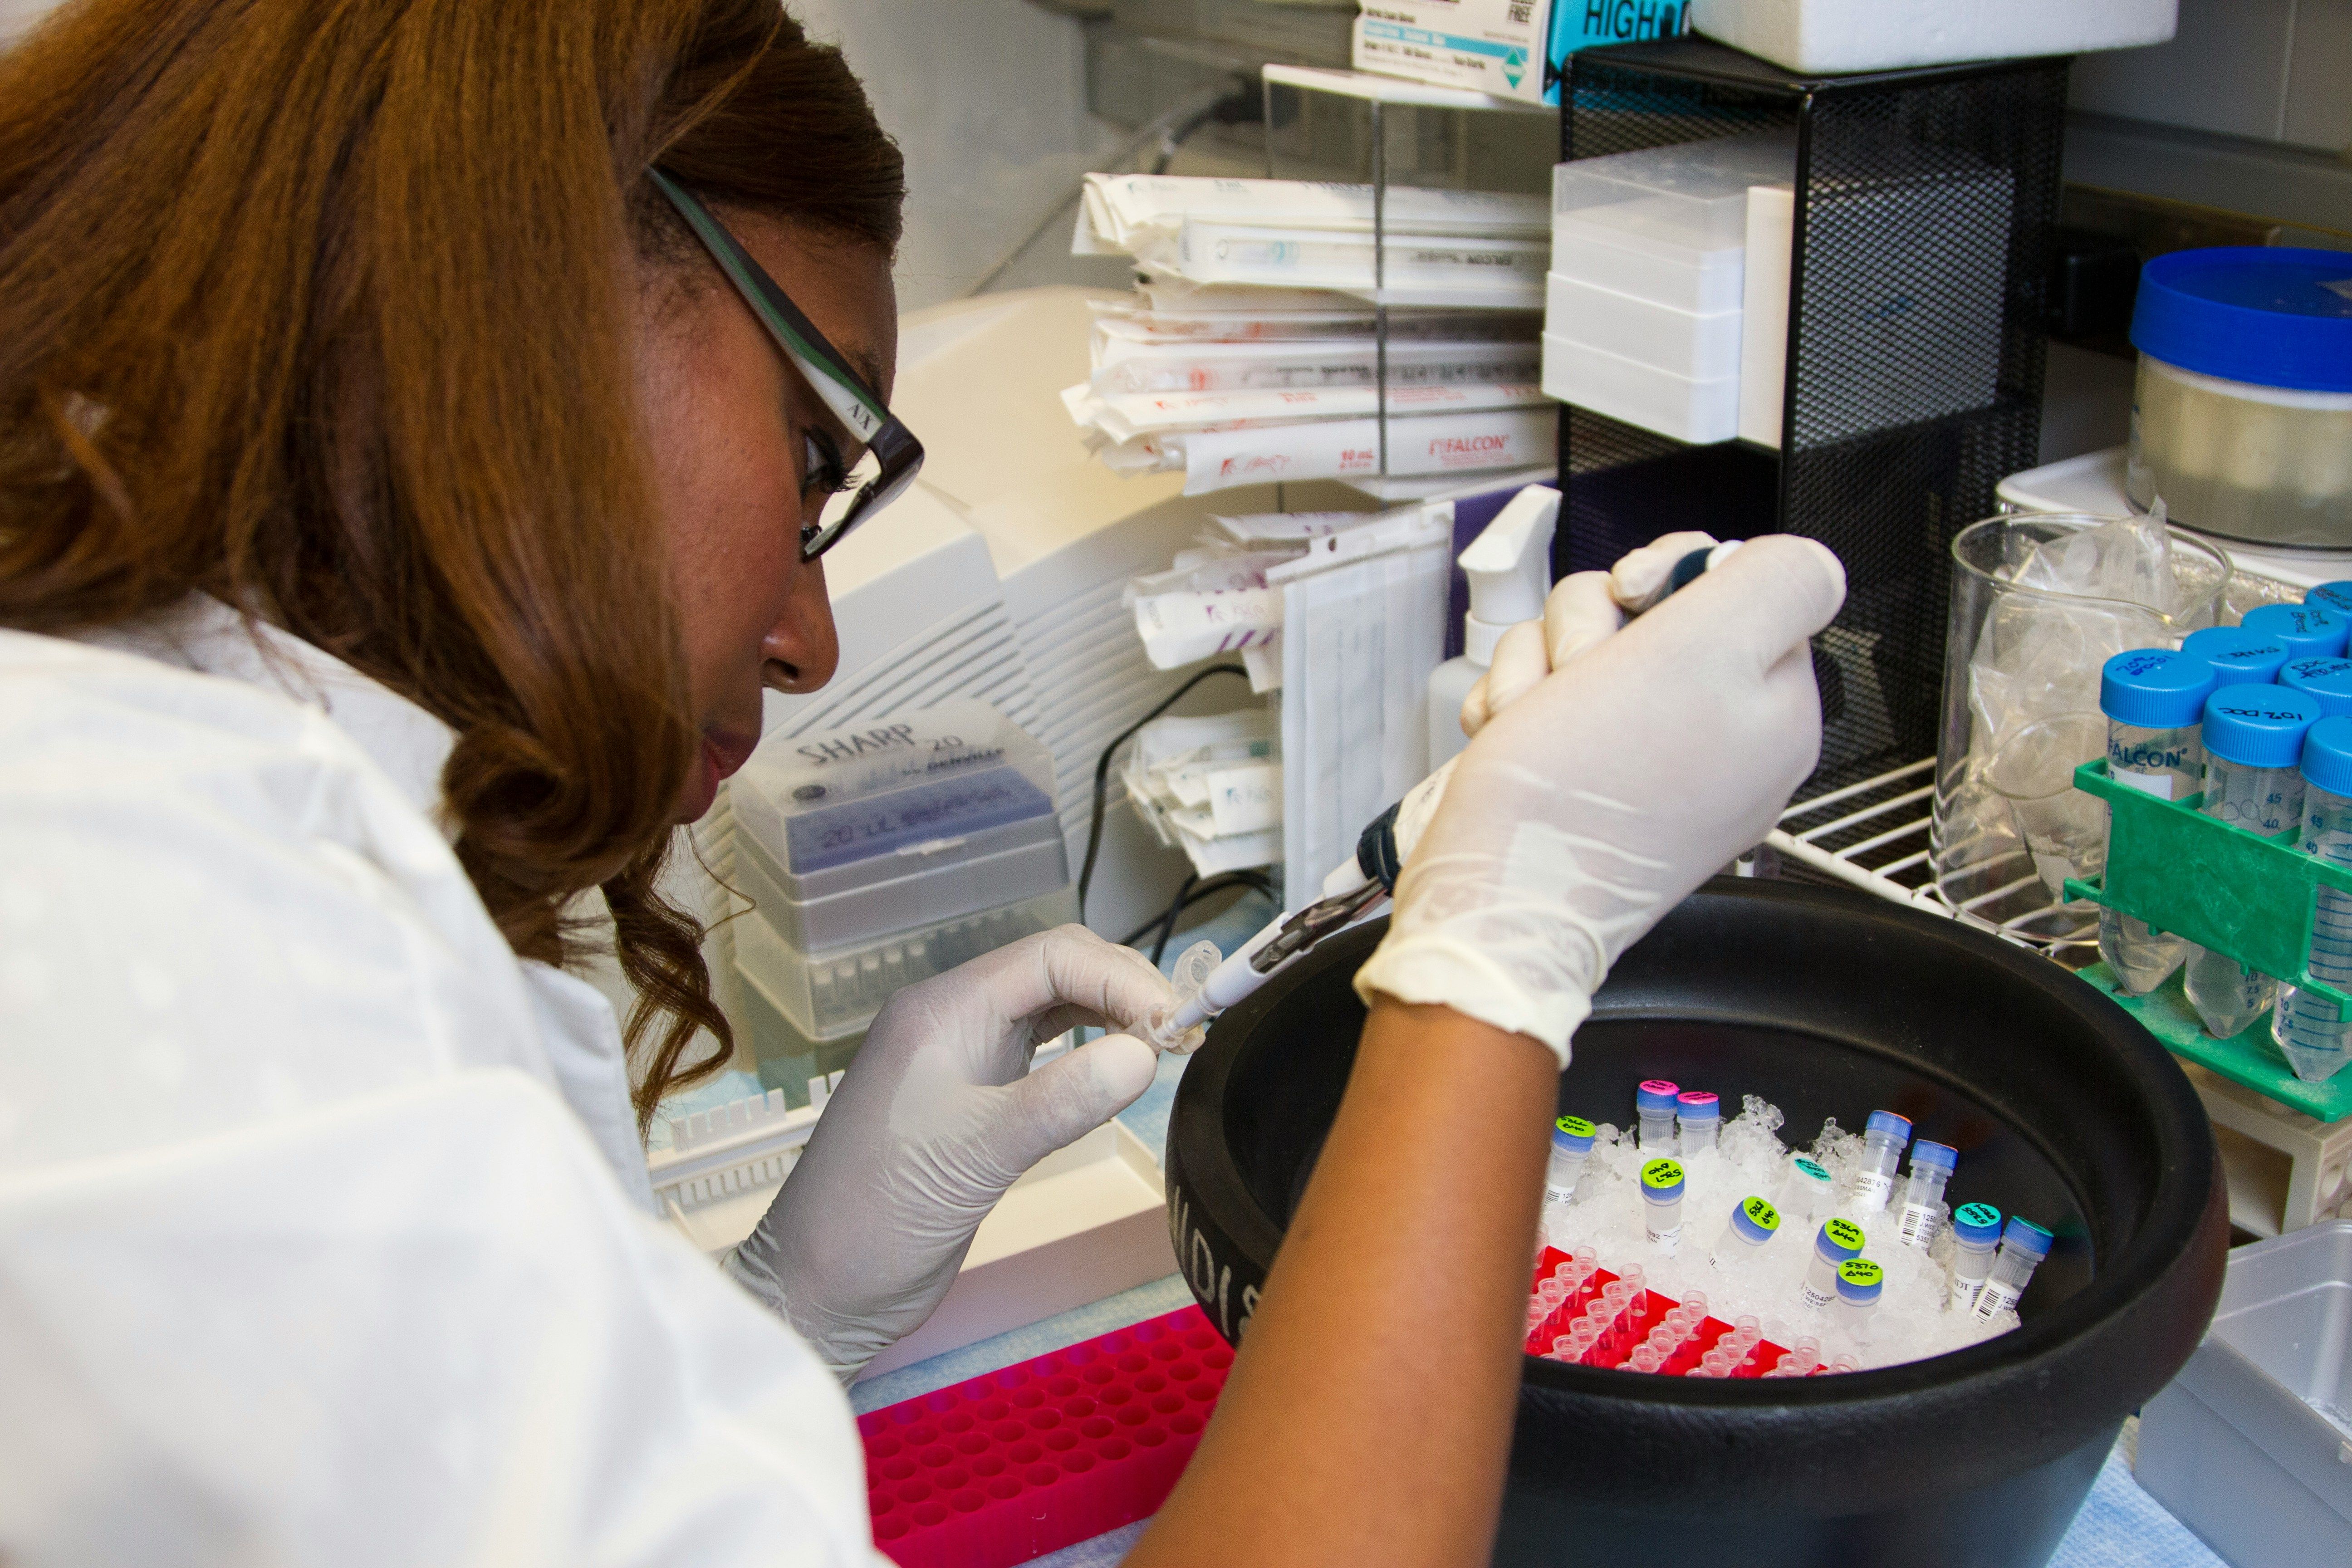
1509, 568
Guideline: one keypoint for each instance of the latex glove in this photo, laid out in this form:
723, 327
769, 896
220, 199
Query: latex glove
1582, 610
939, 1114
1595, 802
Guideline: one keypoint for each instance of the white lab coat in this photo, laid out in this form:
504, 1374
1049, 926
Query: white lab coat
325, 1236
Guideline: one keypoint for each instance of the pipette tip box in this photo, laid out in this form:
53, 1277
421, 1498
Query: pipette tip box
1043, 1455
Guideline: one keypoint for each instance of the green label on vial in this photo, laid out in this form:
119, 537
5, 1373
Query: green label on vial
1844, 1233
1861, 1271
1574, 1126
1662, 1173
1766, 1216
1815, 1172
1978, 1214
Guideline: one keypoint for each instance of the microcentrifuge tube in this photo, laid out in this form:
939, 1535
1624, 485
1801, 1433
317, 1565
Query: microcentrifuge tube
1976, 1232
1799, 1360
1644, 1359
1881, 1150
1754, 1222
1805, 1193
1661, 1202
1175, 1028
1571, 1146
1845, 1364
1839, 1240
1699, 1114
2023, 1246
1654, 1103
1860, 1283
1923, 1200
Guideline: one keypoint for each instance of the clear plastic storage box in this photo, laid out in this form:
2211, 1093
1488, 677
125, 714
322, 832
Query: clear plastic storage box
852, 835
1668, 224
2251, 1447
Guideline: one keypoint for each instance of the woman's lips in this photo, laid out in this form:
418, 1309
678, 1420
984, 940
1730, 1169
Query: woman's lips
728, 751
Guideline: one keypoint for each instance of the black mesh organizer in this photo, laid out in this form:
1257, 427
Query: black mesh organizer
1912, 387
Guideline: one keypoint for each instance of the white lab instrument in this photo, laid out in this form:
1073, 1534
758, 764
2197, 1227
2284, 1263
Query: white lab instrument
1509, 568
1883, 1139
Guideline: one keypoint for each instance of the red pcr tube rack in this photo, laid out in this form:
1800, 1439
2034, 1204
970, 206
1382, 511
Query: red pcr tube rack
1643, 1315
1044, 1454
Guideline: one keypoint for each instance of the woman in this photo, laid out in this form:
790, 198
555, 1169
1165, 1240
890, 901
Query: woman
417, 424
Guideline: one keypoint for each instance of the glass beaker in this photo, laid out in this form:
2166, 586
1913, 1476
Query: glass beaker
2064, 830
2040, 602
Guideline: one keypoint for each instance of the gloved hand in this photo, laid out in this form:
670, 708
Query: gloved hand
936, 1118
1595, 801
1582, 611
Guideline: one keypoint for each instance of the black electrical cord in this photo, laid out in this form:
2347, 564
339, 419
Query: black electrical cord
1102, 773
1193, 891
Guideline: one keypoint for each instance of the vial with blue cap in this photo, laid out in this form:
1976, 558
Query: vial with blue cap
2315, 1041
1661, 1202
1976, 1233
2329, 680
1699, 1114
2240, 657
1654, 1105
2154, 704
1838, 1241
1571, 1146
2023, 1246
1883, 1138
1923, 1200
1754, 1222
2254, 751
2311, 630
1860, 1283
2333, 597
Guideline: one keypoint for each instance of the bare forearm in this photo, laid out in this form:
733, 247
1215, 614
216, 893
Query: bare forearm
1368, 1418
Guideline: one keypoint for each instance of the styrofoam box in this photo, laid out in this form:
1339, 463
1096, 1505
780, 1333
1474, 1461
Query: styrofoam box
1703, 348
1643, 394
2242, 1446
1829, 37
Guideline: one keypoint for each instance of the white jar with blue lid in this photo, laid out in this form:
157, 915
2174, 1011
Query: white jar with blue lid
2242, 417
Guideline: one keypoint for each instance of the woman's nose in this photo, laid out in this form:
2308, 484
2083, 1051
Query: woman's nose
802, 650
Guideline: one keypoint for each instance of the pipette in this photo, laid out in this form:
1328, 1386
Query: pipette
1352, 893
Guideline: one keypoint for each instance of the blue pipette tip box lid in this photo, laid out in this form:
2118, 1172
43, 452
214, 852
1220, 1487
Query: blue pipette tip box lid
2259, 726
2237, 654
1976, 1223
1699, 1105
2026, 1236
2269, 315
2327, 755
1940, 1156
1887, 1121
2155, 689
2329, 681
2306, 628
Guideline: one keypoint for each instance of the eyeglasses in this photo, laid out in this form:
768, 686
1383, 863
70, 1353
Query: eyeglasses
892, 456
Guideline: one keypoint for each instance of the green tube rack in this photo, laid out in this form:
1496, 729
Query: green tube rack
2252, 897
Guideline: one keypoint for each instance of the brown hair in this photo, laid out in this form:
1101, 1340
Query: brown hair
321, 307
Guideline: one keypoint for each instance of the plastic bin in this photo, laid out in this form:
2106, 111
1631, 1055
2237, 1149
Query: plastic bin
852, 835
2251, 1447
839, 990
